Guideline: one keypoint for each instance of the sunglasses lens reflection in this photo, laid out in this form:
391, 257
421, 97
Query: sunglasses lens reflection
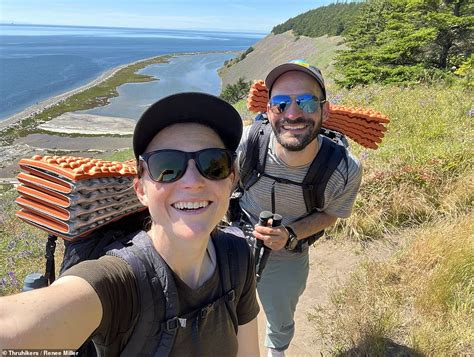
167, 166
306, 102
213, 164
170, 165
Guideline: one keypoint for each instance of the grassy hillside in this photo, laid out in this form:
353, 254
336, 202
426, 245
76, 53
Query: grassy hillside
417, 303
22, 247
423, 169
416, 189
277, 49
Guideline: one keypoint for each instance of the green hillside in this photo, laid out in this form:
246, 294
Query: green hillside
332, 20
276, 49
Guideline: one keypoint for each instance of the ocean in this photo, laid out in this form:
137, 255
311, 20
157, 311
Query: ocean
39, 61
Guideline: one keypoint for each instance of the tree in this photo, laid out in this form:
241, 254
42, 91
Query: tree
235, 92
453, 21
405, 41
333, 19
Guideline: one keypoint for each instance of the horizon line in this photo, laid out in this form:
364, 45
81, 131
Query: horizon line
9, 23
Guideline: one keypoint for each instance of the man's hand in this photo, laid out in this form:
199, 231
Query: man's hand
274, 238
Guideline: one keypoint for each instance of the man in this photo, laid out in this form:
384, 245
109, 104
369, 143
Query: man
296, 109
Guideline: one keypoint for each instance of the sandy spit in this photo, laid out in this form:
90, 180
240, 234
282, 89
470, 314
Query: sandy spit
51, 102
80, 123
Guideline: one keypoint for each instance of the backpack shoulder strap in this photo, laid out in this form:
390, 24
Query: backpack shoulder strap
156, 286
320, 171
251, 165
233, 261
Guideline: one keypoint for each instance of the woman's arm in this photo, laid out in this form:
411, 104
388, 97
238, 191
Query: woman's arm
60, 316
247, 338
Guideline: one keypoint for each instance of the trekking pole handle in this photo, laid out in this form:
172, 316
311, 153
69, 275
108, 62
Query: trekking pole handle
50, 270
266, 251
263, 219
277, 218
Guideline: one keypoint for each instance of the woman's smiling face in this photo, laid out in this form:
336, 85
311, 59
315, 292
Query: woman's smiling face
171, 205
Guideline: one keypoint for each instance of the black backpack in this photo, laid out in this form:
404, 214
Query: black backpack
114, 236
252, 168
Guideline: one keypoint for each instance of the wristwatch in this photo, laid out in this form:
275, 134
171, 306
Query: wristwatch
292, 241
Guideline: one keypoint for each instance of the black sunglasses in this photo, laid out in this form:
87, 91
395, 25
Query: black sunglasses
170, 165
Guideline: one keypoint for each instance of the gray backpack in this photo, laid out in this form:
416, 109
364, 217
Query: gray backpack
125, 239
159, 297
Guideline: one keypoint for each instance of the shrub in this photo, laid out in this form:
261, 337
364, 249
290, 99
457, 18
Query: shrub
232, 93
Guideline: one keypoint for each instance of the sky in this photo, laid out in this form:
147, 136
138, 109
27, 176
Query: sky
237, 15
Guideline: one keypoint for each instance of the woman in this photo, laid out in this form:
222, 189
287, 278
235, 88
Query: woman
184, 145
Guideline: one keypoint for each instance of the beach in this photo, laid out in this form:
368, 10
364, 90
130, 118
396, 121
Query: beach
45, 144
51, 102
71, 133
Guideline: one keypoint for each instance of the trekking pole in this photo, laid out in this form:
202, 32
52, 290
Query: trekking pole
50, 272
262, 221
38, 280
266, 251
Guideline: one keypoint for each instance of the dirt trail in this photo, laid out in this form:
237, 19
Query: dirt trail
331, 263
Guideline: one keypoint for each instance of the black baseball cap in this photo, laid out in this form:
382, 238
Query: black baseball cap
295, 65
189, 107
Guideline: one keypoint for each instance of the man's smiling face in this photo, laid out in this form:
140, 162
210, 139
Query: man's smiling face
294, 128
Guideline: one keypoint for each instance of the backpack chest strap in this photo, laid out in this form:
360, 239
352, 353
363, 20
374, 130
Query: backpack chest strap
201, 313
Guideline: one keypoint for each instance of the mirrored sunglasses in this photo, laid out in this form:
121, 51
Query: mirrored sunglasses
170, 165
307, 102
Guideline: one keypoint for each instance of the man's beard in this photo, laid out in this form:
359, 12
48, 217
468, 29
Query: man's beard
302, 140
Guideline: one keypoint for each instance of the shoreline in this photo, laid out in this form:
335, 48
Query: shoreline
36, 109
54, 100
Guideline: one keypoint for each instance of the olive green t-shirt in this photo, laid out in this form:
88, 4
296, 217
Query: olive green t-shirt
114, 282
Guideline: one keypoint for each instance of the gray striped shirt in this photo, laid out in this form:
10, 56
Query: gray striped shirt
339, 195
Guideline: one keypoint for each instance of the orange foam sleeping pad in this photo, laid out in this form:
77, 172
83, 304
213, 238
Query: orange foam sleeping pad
72, 196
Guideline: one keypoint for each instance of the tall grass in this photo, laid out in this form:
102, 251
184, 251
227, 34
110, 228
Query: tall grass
417, 187
423, 167
22, 247
423, 298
